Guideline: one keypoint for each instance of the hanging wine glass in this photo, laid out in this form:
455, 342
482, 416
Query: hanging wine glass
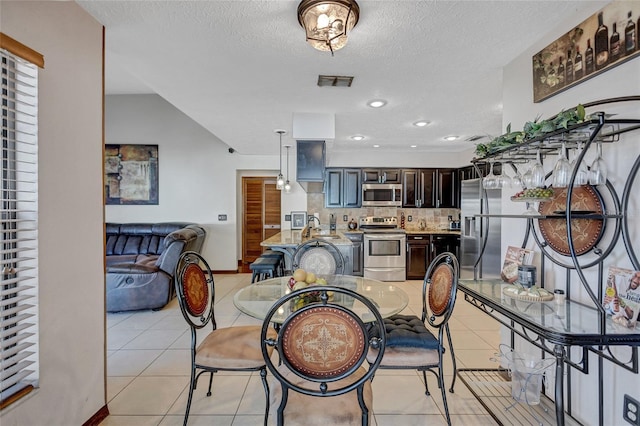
598, 172
503, 179
490, 180
517, 180
527, 179
537, 173
582, 175
562, 169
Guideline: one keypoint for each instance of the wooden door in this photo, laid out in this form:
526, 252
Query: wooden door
261, 217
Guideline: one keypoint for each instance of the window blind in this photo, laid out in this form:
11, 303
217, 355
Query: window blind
19, 233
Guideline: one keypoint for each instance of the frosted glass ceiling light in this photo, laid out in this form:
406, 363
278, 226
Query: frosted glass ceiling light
280, 180
327, 22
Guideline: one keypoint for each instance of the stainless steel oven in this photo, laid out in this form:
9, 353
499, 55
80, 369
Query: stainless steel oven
384, 249
381, 194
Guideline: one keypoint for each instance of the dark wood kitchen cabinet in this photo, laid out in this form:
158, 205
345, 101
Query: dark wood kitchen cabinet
417, 188
418, 248
380, 175
430, 188
357, 250
343, 188
423, 248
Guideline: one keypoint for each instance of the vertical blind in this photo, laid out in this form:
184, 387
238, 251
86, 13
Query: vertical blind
19, 233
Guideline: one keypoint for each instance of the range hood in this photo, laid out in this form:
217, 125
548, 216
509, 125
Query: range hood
311, 131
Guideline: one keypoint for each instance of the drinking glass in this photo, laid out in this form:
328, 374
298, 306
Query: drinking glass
582, 175
598, 175
537, 173
517, 181
503, 179
562, 169
490, 181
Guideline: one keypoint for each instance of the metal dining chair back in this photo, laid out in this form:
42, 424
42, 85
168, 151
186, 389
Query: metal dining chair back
320, 348
410, 345
318, 256
222, 349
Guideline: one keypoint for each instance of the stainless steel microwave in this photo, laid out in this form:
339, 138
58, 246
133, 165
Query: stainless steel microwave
381, 194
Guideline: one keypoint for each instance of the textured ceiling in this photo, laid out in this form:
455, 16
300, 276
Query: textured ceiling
242, 68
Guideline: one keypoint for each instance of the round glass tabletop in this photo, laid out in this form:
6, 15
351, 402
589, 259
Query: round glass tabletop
256, 299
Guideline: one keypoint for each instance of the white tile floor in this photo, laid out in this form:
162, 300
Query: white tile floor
148, 370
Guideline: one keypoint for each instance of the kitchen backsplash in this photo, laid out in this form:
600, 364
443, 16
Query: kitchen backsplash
433, 219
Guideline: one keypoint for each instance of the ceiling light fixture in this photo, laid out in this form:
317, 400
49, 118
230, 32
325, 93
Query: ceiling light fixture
357, 137
287, 185
414, 146
280, 180
377, 103
451, 138
376, 146
327, 22
421, 123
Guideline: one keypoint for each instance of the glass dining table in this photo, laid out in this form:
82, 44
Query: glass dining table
256, 299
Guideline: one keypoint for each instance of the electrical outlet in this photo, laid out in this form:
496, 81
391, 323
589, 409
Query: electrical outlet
409, 218
222, 217
345, 218
287, 218
631, 410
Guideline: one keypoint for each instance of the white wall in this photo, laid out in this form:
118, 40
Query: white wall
71, 293
198, 177
623, 80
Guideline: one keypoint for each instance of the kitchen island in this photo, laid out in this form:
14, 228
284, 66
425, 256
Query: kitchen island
287, 241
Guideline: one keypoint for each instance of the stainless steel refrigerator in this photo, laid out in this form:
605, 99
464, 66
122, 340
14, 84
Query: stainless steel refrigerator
474, 200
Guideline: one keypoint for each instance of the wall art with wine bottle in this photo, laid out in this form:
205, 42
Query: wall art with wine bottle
604, 40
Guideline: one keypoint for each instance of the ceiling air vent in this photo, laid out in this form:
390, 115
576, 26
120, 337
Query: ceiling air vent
335, 80
475, 138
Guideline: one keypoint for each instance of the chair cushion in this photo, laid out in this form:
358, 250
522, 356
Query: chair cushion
232, 347
305, 410
408, 331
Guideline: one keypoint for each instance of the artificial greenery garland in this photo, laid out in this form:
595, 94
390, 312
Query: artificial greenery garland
532, 129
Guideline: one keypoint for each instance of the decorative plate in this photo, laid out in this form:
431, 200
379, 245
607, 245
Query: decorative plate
195, 288
440, 288
585, 232
319, 261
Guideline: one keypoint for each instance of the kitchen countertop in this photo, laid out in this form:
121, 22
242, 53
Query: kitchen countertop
289, 238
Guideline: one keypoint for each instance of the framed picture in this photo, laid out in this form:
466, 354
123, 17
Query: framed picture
131, 174
298, 220
602, 41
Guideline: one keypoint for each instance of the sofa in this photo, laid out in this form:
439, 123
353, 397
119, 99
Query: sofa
141, 260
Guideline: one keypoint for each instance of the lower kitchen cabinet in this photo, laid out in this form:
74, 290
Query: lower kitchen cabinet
418, 248
423, 248
357, 239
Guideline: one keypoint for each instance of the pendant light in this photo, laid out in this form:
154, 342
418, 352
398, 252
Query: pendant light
287, 185
280, 180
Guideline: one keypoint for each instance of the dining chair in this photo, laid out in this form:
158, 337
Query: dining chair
318, 256
410, 345
221, 349
320, 348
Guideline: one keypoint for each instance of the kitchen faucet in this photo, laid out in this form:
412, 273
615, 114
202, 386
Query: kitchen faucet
306, 232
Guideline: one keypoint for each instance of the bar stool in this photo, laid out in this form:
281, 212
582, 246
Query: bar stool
263, 268
277, 255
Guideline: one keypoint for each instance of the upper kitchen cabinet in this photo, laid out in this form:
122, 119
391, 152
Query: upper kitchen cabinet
310, 161
342, 188
417, 188
446, 189
381, 175
430, 188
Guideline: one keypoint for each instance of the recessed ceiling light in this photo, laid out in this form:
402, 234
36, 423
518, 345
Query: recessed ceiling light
357, 137
376, 146
414, 146
377, 103
421, 123
451, 138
